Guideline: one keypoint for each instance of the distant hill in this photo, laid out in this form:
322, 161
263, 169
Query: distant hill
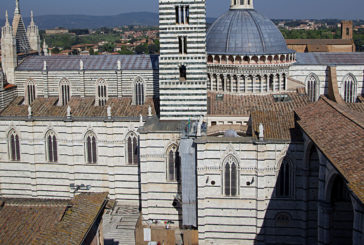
93, 22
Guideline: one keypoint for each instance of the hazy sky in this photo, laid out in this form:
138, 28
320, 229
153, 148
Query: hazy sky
341, 9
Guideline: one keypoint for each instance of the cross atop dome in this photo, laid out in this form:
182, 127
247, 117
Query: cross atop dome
241, 4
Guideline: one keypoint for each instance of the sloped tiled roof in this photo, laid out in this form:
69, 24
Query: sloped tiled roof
330, 59
277, 126
77, 220
90, 62
318, 42
338, 132
80, 108
243, 105
41, 221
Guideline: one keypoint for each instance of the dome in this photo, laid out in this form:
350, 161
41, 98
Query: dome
245, 32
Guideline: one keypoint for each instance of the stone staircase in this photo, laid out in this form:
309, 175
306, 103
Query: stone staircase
119, 225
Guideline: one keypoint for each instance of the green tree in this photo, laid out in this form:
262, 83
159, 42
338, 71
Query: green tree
141, 49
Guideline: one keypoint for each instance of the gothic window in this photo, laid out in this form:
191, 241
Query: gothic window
64, 92
132, 153
91, 147
30, 93
14, 146
182, 73
101, 96
312, 85
182, 14
284, 187
51, 147
182, 45
139, 91
230, 176
173, 164
349, 89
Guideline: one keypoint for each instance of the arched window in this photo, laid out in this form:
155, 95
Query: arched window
91, 147
173, 164
30, 92
285, 186
101, 93
139, 91
51, 147
132, 153
64, 92
231, 176
312, 87
349, 89
14, 146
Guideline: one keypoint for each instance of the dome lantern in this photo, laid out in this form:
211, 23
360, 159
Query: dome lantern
242, 4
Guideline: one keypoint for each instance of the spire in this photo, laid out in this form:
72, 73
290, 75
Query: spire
242, 4
31, 18
17, 10
7, 18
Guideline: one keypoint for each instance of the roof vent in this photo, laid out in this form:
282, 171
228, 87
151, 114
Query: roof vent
282, 98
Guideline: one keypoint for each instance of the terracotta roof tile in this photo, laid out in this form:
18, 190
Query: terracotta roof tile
338, 132
243, 105
41, 221
80, 107
277, 126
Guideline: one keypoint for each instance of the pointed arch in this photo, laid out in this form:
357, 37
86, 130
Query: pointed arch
173, 164
64, 92
30, 91
51, 146
91, 147
132, 148
139, 91
101, 92
349, 88
285, 180
313, 87
13, 145
230, 176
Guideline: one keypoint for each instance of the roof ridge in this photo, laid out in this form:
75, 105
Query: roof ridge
342, 112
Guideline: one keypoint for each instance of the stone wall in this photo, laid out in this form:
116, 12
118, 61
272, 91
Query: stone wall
250, 217
33, 176
302, 72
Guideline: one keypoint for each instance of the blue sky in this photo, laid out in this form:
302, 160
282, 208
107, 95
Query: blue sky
341, 9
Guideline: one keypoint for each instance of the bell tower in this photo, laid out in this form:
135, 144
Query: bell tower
182, 60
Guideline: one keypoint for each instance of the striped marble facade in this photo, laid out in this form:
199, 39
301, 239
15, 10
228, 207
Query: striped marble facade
181, 100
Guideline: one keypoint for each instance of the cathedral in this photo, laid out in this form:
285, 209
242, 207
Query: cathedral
226, 132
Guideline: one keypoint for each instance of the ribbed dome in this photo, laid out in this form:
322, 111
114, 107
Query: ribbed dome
245, 32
